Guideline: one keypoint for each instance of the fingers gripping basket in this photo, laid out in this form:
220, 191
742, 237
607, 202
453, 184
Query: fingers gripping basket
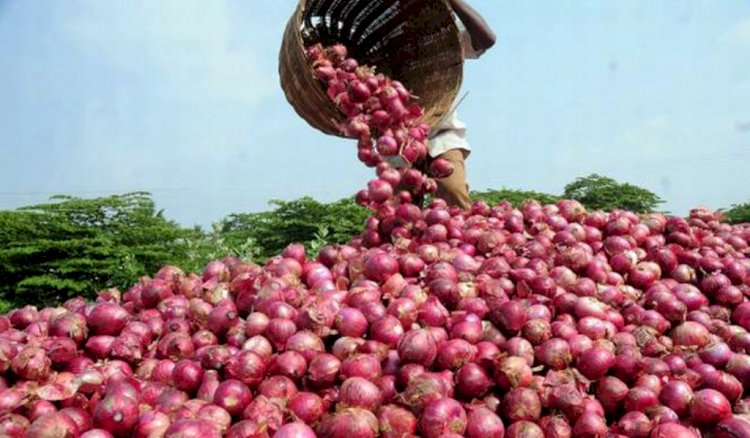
412, 41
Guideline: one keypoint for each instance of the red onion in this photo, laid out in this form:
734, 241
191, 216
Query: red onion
281, 387
360, 392
187, 375
521, 404
640, 399
472, 381
249, 429
417, 346
482, 422
509, 317
351, 422
170, 400
590, 425
216, 415
52, 425
361, 365
270, 410
39, 408
690, 334
387, 330
31, 363
513, 372
396, 422
611, 392
677, 395
672, 430
524, 429
709, 407
323, 369
555, 427
443, 416
734, 427
247, 367
379, 267
117, 414
424, 388
726, 384
595, 362
554, 353
208, 386
289, 363
634, 424
351, 322
294, 430
520, 347
189, 427
151, 423
306, 343
233, 396
107, 319
306, 407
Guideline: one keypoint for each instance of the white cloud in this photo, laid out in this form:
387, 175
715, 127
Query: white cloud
191, 42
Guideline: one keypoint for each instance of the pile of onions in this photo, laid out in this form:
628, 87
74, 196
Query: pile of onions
387, 125
539, 321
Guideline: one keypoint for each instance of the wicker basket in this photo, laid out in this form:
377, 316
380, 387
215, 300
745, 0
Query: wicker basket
414, 41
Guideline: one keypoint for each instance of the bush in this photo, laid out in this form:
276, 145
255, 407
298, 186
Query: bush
598, 192
738, 213
515, 197
71, 246
304, 220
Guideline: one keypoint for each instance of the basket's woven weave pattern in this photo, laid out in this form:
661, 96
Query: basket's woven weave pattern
413, 41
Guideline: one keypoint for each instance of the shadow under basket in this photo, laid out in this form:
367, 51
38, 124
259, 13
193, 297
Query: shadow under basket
415, 42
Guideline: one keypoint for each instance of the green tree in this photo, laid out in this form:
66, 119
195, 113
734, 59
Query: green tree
738, 213
515, 197
303, 220
598, 192
72, 246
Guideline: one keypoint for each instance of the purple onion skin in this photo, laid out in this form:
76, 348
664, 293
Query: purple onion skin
294, 430
734, 427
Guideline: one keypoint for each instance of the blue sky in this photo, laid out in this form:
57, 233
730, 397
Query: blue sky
181, 98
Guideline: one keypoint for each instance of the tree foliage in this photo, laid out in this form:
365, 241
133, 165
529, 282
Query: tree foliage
303, 220
515, 197
72, 246
598, 192
738, 213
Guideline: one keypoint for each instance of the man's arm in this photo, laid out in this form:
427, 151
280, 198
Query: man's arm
482, 37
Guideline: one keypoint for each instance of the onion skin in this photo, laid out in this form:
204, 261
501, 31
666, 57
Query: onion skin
595, 362
441, 416
188, 427
611, 391
417, 346
672, 430
117, 414
357, 392
55, 425
677, 395
709, 407
590, 425
396, 422
555, 427
482, 422
350, 422
734, 427
294, 430
521, 404
524, 429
